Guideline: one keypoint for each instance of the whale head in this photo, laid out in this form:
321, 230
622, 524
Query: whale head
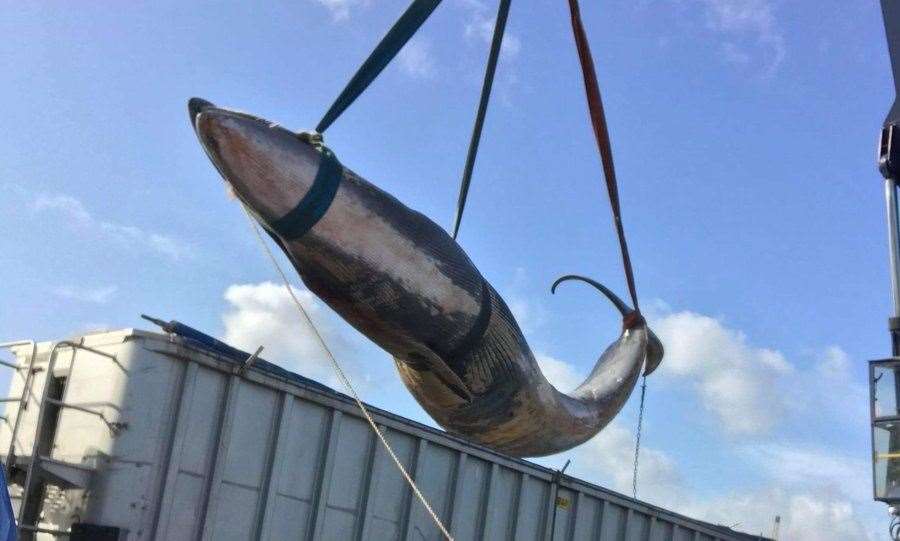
268, 167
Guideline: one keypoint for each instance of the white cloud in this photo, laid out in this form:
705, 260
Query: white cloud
481, 25
834, 363
734, 54
126, 235
65, 204
740, 15
813, 515
820, 494
416, 59
98, 295
752, 22
264, 314
830, 389
529, 315
340, 9
480, 19
750, 389
561, 374
607, 460
733, 379
91, 327
811, 467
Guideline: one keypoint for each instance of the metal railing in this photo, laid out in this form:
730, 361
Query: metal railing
23, 399
29, 487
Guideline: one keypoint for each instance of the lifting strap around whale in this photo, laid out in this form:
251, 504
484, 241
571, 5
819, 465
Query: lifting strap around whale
490, 70
601, 133
317, 200
405, 27
389, 46
403, 30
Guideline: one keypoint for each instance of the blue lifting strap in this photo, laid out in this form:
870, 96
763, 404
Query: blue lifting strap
407, 25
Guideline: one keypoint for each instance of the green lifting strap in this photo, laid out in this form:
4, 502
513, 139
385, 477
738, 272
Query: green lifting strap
391, 44
315, 203
499, 27
407, 25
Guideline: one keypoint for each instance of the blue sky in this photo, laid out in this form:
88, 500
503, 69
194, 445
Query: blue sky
744, 133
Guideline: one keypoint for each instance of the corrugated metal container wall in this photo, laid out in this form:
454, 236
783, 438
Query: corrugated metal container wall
215, 453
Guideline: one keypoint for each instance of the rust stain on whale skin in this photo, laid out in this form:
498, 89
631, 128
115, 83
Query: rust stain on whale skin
399, 279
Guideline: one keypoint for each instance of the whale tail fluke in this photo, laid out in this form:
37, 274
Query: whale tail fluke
655, 349
623, 308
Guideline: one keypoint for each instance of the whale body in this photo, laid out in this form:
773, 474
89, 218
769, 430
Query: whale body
402, 281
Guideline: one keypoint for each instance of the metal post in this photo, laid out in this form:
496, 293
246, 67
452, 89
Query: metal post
890, 197
889, 162
889, 165
554, 493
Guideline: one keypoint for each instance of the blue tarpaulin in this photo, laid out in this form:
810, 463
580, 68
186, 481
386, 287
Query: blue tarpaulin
7, 521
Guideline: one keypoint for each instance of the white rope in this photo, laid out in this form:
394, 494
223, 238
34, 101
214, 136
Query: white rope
343, 377
637, 438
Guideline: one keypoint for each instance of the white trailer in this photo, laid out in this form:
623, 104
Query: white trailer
133, 435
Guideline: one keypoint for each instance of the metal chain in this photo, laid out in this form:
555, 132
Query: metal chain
637, 438
343, 377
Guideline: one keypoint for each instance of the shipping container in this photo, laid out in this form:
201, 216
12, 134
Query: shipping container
134, 435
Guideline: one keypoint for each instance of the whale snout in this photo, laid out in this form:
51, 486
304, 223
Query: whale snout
269, 168
195, 107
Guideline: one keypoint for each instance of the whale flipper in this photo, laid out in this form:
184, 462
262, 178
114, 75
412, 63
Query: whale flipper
422, 361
